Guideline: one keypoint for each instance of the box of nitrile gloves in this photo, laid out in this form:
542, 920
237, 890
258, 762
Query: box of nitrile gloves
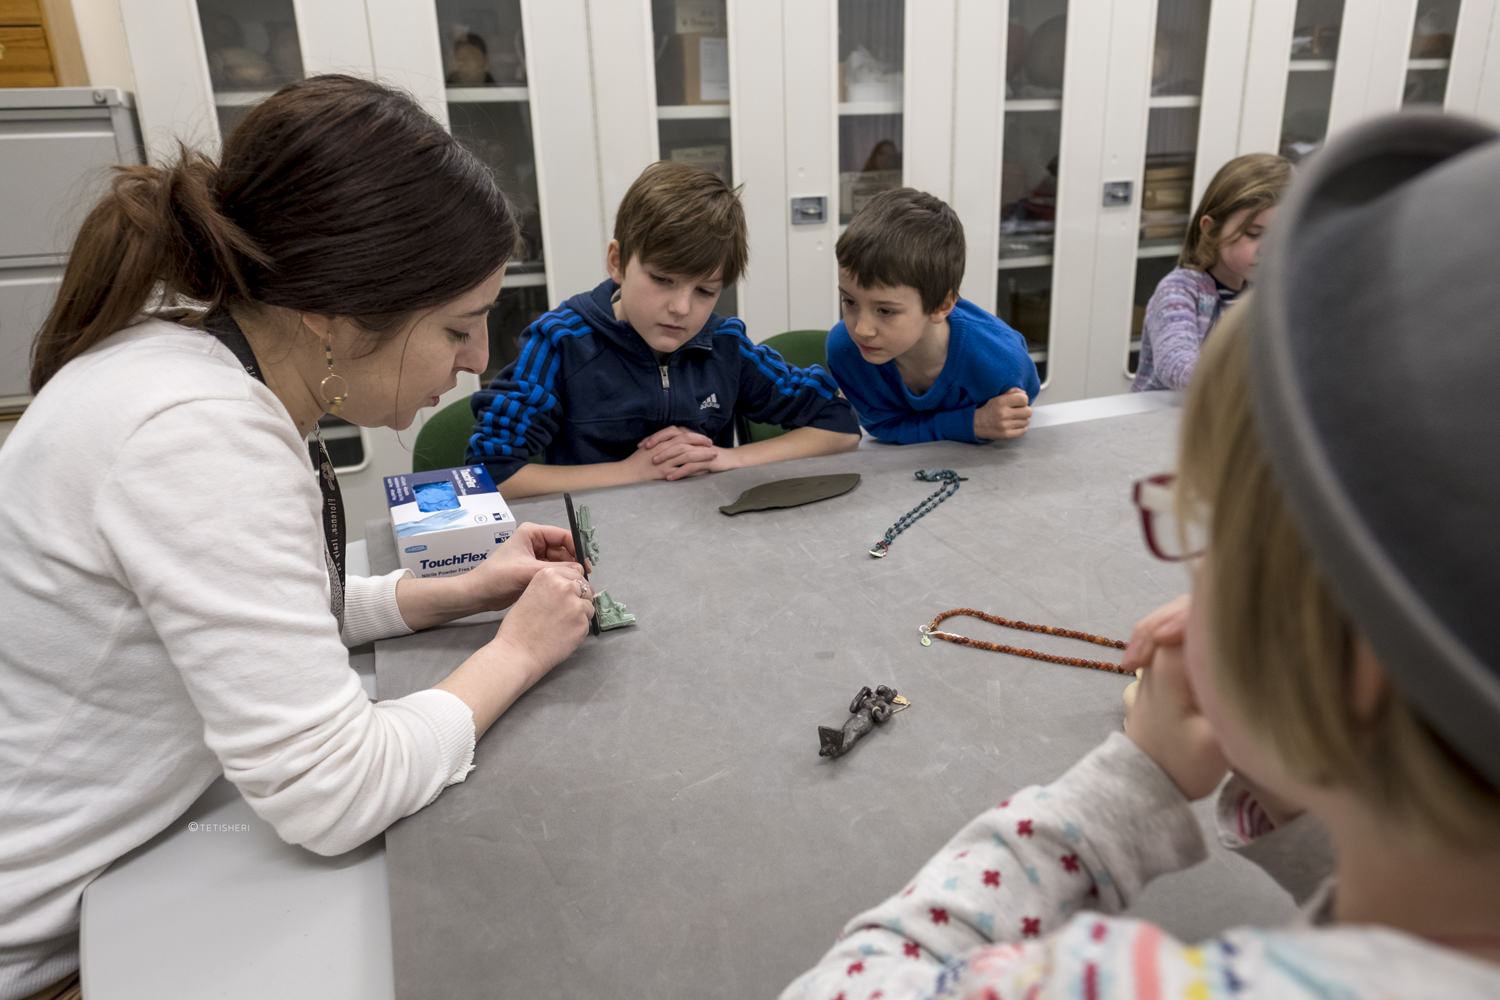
447, 520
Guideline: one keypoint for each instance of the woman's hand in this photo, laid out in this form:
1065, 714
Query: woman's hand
493, 585
505, 573
548, 621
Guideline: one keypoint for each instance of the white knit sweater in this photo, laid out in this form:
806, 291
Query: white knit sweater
164, 619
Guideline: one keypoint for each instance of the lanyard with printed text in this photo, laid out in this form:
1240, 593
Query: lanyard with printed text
228, 332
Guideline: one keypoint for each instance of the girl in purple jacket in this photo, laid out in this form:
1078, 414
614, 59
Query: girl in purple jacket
1216, 260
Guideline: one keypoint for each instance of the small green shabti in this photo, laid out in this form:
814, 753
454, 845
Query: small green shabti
610, 612
586, 532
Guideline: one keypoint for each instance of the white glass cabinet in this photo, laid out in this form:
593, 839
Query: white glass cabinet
200, 64
690, 48
1072, 137
871, 63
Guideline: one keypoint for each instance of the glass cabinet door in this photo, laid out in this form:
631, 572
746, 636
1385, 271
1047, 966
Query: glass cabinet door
1309, 85
1171, 149
871, 61
484, 69
691, 50
1431, 51
1034, 45
253, 49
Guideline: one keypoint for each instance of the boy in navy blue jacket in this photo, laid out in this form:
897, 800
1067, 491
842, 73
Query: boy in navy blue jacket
918, 362
639, 379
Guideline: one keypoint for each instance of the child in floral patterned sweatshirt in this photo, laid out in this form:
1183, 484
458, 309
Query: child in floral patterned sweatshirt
1339, 650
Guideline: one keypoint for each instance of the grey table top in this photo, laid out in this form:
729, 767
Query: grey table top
235, 912
652, 819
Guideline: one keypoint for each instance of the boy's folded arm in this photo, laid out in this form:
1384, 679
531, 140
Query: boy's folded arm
534, 478
882, 415
1090, 840
771, 391
508, 431
801, 442
919, 426
1005, 364
515, 418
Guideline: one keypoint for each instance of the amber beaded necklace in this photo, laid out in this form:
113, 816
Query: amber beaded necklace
931, 631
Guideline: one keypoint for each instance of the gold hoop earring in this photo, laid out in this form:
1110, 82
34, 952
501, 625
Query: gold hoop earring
333, 400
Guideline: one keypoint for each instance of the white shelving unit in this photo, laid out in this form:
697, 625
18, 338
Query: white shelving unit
590, 99
691, 112
488, 95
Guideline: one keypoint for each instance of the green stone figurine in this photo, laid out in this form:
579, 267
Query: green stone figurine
586, 531
611, 613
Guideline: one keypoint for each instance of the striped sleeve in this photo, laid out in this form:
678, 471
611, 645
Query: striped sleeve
518, 414
774, 392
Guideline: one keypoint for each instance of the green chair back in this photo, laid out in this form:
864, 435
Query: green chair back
443, 439
800, 348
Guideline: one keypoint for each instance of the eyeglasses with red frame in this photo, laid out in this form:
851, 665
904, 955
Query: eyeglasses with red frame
1155, 497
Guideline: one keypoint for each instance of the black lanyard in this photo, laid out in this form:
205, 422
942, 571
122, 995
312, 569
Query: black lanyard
222, 325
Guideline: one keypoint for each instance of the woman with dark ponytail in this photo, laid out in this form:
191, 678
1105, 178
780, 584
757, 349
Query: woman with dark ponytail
174, 597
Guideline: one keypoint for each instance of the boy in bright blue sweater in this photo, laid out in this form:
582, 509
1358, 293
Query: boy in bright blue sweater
639, 379
918, 362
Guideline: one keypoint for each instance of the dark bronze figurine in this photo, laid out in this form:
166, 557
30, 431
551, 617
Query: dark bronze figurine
868, 709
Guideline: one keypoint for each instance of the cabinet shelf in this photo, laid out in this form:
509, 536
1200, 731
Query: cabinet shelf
1311, 66
488, 95
240, 98
1427, 63
869, 108
1163, 249
680, 112
1176, 101
1030, 260
455, 95
1033, 104
524, 279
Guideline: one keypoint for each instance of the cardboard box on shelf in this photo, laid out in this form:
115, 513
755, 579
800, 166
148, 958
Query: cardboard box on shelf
698, 17
1163, 224
1167, 184
693, 69
713, 158
1171, 196
858, 186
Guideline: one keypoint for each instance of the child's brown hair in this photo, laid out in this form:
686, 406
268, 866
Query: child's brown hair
1254, 181
684, 220
905, 237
